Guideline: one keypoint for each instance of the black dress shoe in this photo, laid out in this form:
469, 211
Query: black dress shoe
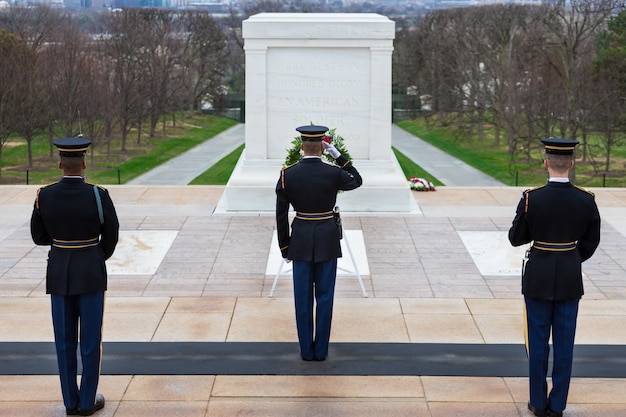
319, 359
550, 413
98, 405
537, 412
72, 411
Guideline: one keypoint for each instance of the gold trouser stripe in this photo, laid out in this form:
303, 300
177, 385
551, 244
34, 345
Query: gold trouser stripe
526, 331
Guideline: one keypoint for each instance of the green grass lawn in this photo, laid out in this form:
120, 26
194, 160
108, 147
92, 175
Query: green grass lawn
203, 128
219, 173
496, 162
480, 155
410, 168
148, 154
124, 166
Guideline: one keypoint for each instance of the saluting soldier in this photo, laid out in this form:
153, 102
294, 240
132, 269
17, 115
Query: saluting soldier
79, 222
311, 187
563, 223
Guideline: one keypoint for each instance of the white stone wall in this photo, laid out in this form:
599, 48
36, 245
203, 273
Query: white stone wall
328, 69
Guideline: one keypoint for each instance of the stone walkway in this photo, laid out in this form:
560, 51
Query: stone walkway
445, 276
183, 169
187, 166
447, 169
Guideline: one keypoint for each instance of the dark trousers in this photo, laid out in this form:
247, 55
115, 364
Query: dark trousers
69, 315
314, 281
560, 318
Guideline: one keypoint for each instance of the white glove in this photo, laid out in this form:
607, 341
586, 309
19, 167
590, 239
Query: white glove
286, 260
331, 150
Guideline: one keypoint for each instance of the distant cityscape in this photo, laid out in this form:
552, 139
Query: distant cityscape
228, 6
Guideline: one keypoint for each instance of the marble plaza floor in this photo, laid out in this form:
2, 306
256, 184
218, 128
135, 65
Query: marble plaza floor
184, 277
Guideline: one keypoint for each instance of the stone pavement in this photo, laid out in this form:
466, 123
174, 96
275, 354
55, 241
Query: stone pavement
445, 277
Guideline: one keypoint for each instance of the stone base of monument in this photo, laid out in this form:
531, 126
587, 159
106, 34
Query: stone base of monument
251, 189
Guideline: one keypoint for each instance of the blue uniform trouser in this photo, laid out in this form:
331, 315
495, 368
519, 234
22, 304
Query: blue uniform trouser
314, 281
69, 314
560, 317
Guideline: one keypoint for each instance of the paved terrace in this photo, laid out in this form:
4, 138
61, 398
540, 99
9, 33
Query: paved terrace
190, 328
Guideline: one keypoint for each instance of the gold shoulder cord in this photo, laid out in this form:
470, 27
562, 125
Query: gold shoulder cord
38, 190
585, 190
282, 178
37, 198
526, 203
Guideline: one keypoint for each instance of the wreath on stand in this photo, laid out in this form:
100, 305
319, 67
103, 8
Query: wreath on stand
294, 154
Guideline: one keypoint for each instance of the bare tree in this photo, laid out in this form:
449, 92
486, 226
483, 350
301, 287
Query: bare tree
232, 25
604, 100
30, 117
505, 60
98, 109
524, 65
204, 58
94, 102
15, 57
472, 48
404, 56
35, 26
434, 63
123, 45
156, 59
569, 33
604, 115
67, 73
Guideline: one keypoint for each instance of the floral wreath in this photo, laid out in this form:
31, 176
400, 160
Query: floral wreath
420, 184
294, 154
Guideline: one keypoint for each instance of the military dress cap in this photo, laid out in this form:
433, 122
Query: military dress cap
72, 146
559, 146
312, 133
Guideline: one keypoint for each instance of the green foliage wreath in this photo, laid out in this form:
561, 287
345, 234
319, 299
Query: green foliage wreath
294, 154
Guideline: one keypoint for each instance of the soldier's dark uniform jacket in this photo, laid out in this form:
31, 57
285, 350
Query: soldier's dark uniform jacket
563, 222
311, 186
66, 217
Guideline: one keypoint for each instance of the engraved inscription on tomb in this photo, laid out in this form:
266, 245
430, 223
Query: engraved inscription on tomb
323, 86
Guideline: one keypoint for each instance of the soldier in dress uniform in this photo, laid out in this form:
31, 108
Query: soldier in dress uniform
563, 223
313, 245
79, 223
